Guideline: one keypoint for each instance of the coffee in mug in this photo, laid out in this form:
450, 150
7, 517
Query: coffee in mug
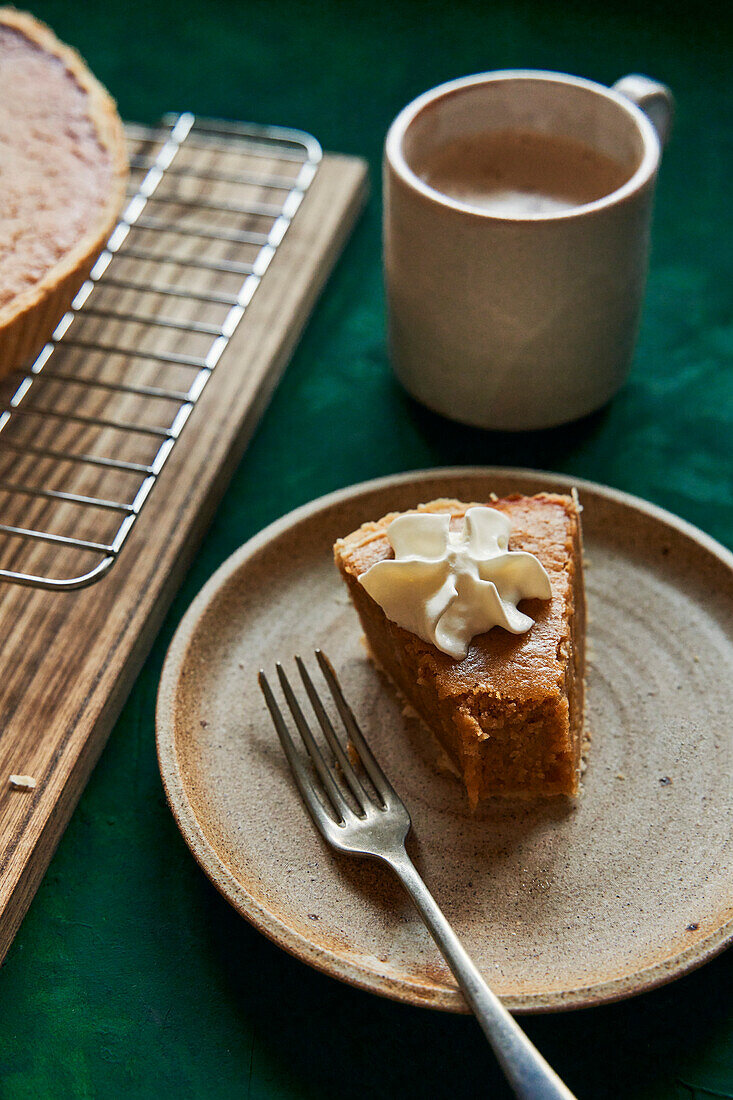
520, 173
516, 235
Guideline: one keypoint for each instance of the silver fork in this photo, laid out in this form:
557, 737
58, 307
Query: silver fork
379, 828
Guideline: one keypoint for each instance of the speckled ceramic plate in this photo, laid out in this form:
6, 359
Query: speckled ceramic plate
560, 905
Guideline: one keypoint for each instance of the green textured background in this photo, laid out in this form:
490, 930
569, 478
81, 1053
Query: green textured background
131, 977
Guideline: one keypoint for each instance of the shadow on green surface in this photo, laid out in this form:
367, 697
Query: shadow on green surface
465, 446
630, 1049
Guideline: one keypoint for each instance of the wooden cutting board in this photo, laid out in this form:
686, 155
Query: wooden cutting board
69, 659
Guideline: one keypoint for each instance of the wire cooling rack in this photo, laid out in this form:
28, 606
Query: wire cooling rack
87, 429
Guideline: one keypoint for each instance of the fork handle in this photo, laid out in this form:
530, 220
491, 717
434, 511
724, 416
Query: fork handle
527, 1071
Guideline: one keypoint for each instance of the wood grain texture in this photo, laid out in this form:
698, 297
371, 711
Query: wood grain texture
69, 659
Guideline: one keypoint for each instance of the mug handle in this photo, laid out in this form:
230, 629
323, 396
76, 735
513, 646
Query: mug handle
655, 100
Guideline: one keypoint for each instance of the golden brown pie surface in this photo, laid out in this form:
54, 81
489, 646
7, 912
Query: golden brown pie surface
63, 172
510, 715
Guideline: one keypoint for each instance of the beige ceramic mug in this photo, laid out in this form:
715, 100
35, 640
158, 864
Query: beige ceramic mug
519, 322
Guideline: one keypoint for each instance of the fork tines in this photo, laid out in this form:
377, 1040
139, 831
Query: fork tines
332, 775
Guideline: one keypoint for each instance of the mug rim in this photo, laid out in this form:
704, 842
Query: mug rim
394, 153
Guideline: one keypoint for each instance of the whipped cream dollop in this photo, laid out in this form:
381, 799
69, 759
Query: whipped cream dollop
448, 586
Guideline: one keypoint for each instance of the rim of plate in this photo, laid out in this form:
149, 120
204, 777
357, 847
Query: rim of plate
412, 992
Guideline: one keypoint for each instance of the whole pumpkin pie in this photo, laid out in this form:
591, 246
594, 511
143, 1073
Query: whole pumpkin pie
63, 172
506, 703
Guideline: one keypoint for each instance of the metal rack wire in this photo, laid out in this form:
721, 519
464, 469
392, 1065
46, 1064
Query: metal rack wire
213, 203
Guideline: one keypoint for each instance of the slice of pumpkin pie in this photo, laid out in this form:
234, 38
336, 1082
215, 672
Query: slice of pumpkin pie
477, 614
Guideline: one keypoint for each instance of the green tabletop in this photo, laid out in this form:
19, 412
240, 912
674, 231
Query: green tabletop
131, 976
